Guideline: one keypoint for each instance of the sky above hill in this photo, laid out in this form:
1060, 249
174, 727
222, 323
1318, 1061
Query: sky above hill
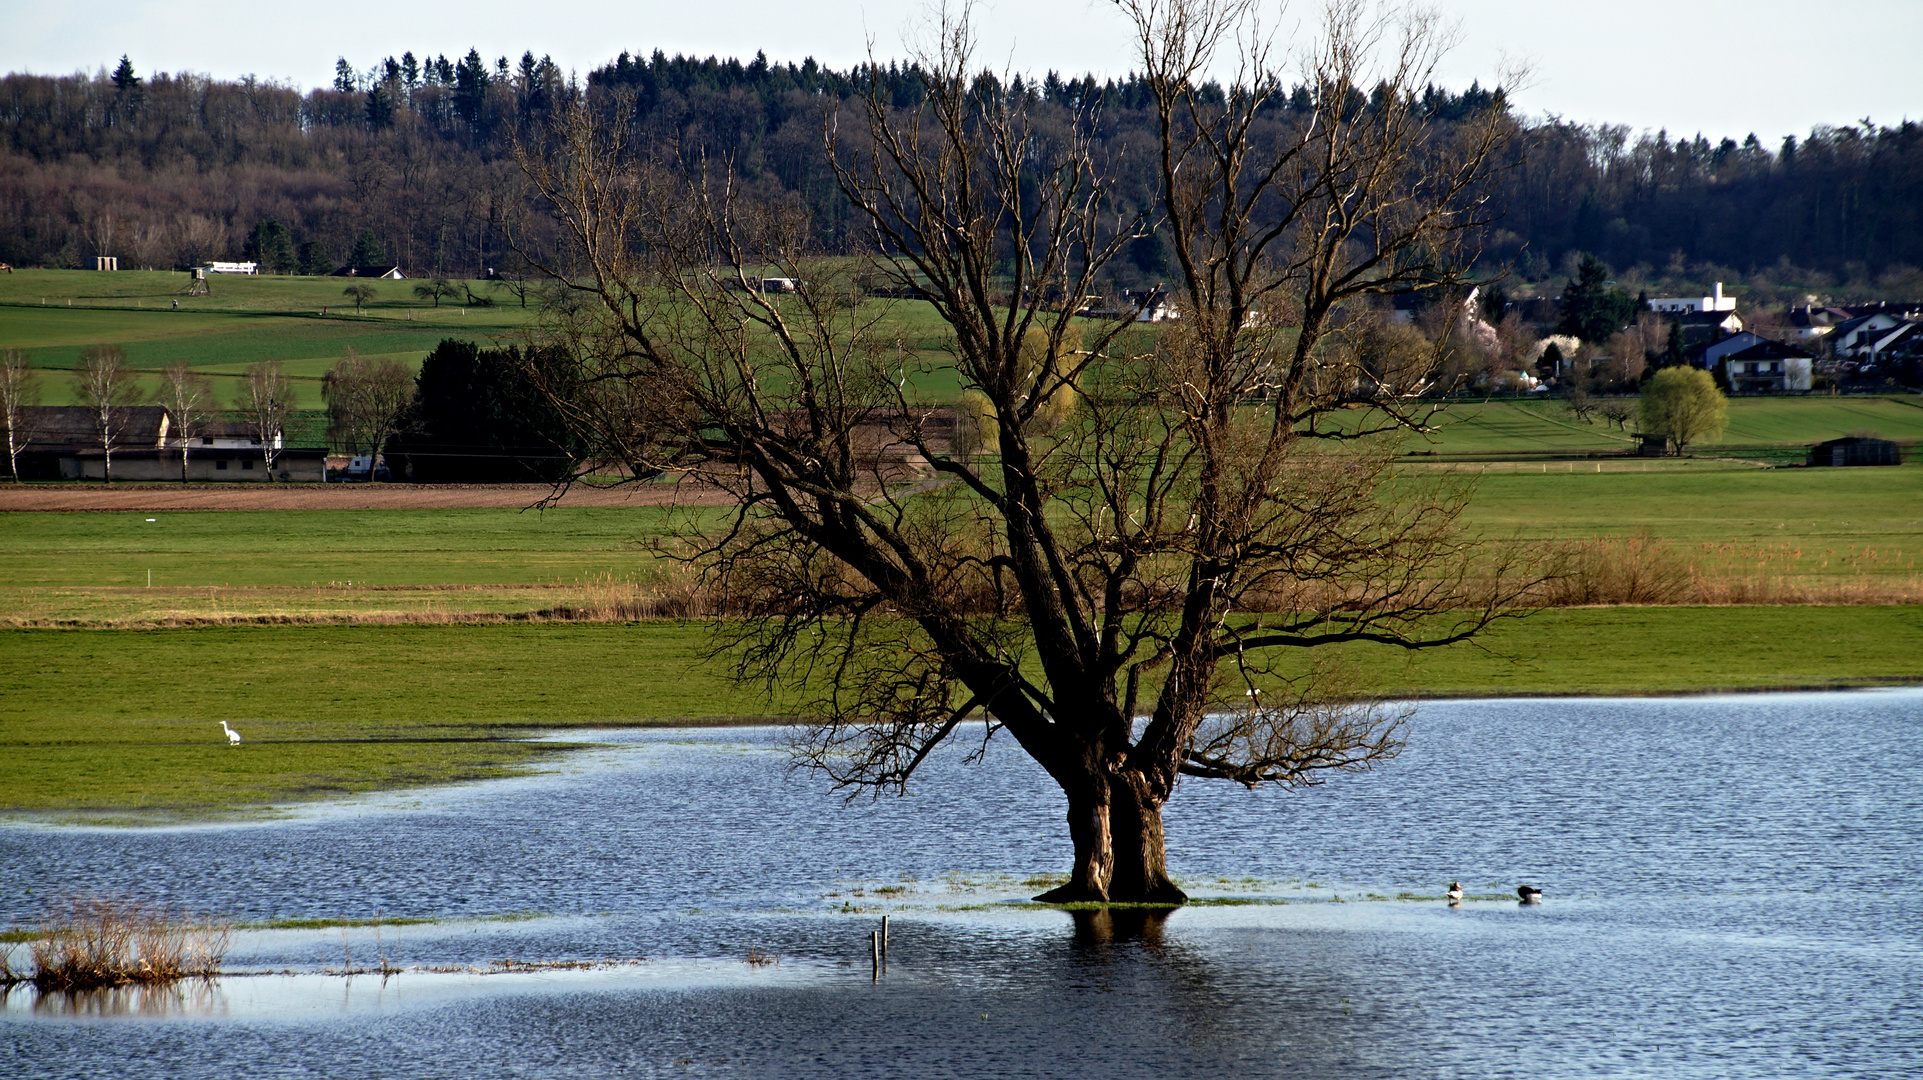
1774, 67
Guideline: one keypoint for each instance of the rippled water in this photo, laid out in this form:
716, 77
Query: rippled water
1732, 890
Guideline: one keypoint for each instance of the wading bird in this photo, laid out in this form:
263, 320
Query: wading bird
1455, 890
233, 737
1529, 893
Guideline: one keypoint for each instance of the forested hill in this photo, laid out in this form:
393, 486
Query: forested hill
399, 161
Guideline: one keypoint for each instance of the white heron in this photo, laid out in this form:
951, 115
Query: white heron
233, 737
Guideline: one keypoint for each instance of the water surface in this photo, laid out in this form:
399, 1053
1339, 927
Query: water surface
1731, 891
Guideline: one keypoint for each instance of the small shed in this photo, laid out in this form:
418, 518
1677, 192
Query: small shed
1856, 450
1651, 445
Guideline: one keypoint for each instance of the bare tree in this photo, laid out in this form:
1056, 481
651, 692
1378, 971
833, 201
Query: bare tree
105, 386
436, 290
360, 292
515, 286
1181, 545
187, 396
19, 391
366, 400
266, 398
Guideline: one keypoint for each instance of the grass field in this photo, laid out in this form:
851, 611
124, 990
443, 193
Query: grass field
104, 720
124, 725
1813, 526
54, 313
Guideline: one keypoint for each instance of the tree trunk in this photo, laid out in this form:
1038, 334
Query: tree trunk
1141, 861
1119, 852
1088, 879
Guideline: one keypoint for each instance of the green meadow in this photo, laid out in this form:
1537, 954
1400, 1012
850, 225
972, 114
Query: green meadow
340, 642
124, 725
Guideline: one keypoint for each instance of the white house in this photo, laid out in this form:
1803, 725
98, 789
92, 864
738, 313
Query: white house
1767, 365
1679, 304
1867, 335
1732, 344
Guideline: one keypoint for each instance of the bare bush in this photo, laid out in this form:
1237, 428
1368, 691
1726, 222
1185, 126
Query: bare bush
91, 943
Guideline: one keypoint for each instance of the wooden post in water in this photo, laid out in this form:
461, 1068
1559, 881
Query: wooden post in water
884, 937
874, 955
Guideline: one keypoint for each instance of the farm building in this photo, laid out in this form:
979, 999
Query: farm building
390, 271
223, 464
63, 443
51, 435
1856, 450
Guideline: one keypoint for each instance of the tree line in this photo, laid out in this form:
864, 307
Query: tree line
408, 161
470, 415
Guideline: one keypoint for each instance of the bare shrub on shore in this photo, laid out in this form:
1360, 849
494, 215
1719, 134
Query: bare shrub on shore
90, 943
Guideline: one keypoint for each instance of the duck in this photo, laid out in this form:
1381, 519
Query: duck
1455, 890
1529, 893
233, 737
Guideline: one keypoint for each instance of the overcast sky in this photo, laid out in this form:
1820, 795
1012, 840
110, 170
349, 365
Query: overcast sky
1774, 67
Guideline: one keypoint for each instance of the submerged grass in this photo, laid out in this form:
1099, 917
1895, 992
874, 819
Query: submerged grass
90, 943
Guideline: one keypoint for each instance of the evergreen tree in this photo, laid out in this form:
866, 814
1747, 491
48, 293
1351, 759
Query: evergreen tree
125, 81
1593, 309
271, 245
380, 107
345, 79
1673, 355
478, 418
314, 260
368, 250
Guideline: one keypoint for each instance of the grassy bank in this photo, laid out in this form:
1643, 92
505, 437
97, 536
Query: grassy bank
103, 723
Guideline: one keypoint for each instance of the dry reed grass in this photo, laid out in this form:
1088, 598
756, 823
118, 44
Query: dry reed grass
87, 944
1622, 570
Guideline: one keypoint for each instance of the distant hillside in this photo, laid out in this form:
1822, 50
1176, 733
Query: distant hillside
398, 163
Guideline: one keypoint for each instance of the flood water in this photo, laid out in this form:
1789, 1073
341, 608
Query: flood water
1731, 889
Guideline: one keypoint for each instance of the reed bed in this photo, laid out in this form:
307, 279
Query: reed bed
1641, 570
88, 944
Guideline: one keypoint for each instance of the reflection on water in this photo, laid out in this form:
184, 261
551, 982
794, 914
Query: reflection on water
1730, 891
188, 997
1106, 926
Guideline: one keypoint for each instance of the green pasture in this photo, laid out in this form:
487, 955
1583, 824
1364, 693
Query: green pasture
309, 548
1820, 509
1821, 522
53, 314
124, 725
1536, 427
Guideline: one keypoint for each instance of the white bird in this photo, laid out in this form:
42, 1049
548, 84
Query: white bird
233, 737
1455, 890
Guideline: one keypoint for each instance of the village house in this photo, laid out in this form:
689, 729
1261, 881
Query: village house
1764, 366
1700, 305
1868, 336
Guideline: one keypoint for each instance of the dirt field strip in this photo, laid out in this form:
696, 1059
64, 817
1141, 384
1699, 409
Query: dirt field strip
178, 498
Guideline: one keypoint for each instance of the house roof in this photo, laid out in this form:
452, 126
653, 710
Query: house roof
1767, 350
1706, 318
54, 427
382, 270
